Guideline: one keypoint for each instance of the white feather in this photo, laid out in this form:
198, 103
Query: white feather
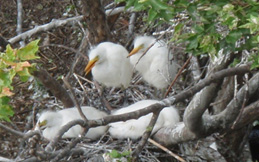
156, 65
135, 128
113, 69
56, 119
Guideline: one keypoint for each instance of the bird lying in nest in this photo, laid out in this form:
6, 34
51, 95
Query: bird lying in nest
134, 128
52, 121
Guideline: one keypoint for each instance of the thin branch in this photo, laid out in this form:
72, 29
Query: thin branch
51, 84
75, 99
242, 108
77, 104
66, 150
67, 48
14, 132
19, 20
146, 135
249, 115
166, 150
63, 130
177, 76
205, 82
18, 133
53, 24
195, 69
131, 25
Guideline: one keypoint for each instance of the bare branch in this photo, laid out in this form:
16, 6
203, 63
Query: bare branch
205, 82
146, 135
18, 133
166, 150
53, 24
51, 84
195, 68
14, 132
66, 150
250, 114
177, 76
131, 25
19, 20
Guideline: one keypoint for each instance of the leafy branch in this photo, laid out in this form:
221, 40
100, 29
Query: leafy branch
14, 62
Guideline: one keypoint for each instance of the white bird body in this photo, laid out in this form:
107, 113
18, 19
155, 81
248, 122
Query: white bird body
134, 128
110, 65
52, 122
156, 66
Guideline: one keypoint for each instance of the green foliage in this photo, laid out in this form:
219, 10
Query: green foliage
157, 9
255, 60
14, 62
117, 155
210, 26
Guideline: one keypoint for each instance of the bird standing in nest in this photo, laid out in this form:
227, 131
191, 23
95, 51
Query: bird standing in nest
109, 65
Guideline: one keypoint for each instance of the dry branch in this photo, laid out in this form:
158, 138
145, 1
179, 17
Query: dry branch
51, 84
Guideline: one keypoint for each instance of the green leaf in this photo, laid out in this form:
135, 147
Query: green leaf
193, 42
24, 74
151, 15
177, 32
115, 154
6, 78
255, 61
5, 110
159, 5
10, 53
198, 28
29, 51
233, 36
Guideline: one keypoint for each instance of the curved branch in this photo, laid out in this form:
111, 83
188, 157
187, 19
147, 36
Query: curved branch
225, 119
250, 114
205, 82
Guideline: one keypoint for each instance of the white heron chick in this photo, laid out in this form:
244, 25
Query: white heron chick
134, 128
110, 65
52, 121
156, 66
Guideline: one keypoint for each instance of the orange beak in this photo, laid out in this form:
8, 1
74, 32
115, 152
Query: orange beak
91, 64
135, 50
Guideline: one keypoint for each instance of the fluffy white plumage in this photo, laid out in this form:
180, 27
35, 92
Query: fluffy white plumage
52, 121
135, 128
156, 65
110, 65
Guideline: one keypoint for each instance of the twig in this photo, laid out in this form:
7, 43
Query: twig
146, 135
114, 11
54, 23
195, 69
65, 47
144, 53
75, 99
131, 25
18, 133
14, 132
85, 79
242, 108
177, 76
85, 130
166, 150
19, 20
100, 91
80, 83
67, 149
63, 130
